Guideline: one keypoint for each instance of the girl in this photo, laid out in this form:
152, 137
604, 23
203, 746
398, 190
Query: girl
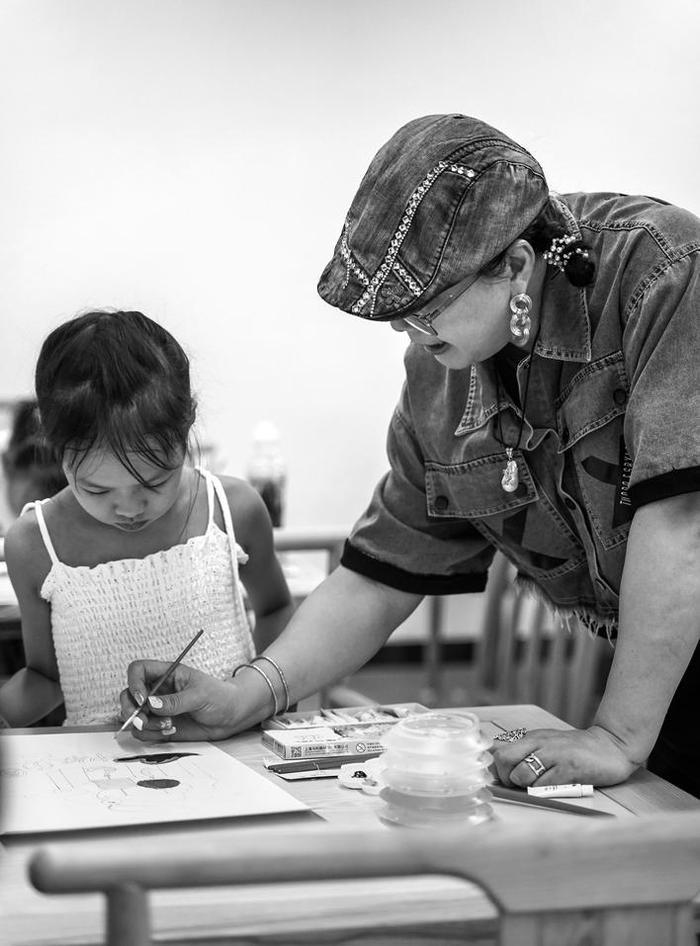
141, 549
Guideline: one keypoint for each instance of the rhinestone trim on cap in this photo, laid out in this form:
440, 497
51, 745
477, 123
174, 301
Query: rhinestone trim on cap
461, 169
350, 264
412, 283
387, 263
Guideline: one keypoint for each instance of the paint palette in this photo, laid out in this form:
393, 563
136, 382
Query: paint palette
345, 716
352, 730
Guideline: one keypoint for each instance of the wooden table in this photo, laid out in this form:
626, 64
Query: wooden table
411, 910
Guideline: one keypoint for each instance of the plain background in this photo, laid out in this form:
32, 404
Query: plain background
194, 159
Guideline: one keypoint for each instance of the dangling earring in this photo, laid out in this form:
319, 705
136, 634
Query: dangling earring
520, 321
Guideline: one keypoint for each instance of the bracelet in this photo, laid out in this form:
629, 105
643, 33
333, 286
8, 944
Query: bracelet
281, 676
265, 678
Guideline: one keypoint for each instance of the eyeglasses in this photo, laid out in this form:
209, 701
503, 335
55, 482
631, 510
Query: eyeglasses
423, 323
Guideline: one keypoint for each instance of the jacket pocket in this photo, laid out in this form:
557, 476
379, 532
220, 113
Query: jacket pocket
593, 397
473, 489
525, 524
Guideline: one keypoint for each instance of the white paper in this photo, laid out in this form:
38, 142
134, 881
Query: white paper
69, 781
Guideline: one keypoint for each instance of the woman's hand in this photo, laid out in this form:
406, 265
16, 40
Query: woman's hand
590, 756
190, 705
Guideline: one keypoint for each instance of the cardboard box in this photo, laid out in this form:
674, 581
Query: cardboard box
345, 715
294, 735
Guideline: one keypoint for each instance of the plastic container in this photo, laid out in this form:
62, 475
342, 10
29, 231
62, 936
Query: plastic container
436, 772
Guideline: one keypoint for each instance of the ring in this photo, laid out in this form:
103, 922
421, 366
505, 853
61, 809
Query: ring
535, 764
512, 735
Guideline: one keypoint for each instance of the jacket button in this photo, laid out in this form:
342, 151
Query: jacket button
619, 396
441, 503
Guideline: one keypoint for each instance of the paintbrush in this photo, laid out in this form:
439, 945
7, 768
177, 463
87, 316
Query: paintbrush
161, 680
522, 798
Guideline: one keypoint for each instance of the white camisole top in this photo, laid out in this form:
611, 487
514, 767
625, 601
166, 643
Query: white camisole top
107, 615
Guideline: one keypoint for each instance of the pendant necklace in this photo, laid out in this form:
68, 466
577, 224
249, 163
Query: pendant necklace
510, 479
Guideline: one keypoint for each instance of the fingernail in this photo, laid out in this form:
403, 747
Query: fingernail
138, 723
155, 702
138, 697
166, 723
170, 732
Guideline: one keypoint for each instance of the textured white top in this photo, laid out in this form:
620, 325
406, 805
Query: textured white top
105, 616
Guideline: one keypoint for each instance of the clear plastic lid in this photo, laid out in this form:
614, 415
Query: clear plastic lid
437, 735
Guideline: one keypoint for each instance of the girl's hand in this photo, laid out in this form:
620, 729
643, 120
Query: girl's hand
591, 756
190, 705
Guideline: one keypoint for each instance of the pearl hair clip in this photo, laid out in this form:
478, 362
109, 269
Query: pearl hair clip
559, 252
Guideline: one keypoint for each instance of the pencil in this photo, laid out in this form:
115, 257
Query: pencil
321, 762
522, 798
161, 680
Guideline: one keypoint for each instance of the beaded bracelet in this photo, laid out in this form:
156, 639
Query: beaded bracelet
267, 680
281, 676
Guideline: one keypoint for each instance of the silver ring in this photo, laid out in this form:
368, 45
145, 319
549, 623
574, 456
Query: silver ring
535, 764
511, 735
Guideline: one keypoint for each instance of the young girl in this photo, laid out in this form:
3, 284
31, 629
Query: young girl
141, 549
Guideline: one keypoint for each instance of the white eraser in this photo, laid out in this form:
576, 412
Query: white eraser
561, 791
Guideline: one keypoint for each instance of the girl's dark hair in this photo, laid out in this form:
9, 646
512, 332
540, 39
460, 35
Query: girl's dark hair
548, 224
115, 380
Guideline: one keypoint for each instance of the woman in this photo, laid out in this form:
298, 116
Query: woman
551, 409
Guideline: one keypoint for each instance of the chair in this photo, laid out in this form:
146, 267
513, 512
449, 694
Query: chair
525, 653
28, 699
11, 646
329, 540
631, 881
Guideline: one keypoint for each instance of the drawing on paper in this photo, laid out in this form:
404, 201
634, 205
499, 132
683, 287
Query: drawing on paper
66, 781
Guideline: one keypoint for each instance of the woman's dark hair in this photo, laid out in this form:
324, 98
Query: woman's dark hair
115, 380
28, 458
547, 225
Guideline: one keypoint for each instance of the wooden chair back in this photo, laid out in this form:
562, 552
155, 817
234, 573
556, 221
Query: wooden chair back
329, 540
526, 654
627, 882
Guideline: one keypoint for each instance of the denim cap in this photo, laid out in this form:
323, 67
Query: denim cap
444, 196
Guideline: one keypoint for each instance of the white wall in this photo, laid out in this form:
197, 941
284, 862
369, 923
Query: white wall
195, 159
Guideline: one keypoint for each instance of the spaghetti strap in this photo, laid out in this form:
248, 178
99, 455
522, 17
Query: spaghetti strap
208, 479
37, 507
238, 556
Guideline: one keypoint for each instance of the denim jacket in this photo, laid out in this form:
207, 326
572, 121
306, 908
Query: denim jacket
612, 421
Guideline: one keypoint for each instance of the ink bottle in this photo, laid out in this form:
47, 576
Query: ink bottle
267, 470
